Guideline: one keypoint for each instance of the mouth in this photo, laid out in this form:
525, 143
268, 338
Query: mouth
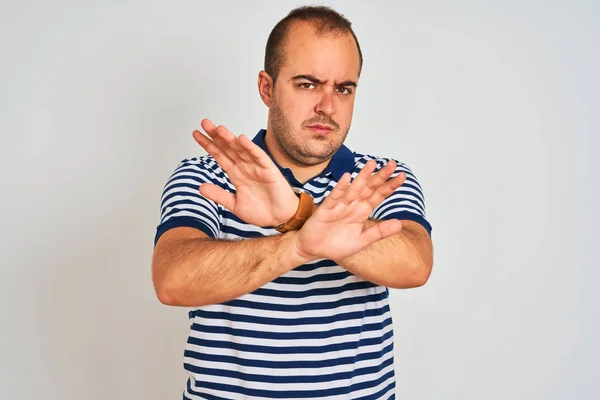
321, 128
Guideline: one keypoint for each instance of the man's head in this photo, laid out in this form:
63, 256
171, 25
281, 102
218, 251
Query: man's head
312, 65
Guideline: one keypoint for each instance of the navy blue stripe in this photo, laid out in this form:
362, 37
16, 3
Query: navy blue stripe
398, 207
409, 183
182, 221
291, 321
231, 216
197, 214
407, 215
171, 188
198, 175
318, 185
290, 364
370, 384
287, 294
202, 395
279, 394
326, 305
297, 379
195, 195
249, 234
378, 395
315, 265
289, 349
401, 202
208, 209
336, 276
404, 196
227, 330
209, 174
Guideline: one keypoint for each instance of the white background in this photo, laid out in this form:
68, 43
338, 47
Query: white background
493, 104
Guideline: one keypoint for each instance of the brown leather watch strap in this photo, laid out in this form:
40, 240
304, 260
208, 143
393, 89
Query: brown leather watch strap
306, 207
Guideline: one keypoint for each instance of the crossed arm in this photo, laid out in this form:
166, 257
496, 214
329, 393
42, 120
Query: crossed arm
190, 269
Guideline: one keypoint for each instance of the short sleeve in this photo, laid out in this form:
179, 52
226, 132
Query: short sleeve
182, 204
406, 202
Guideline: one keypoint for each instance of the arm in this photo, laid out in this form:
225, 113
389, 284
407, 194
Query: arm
190, 265
191, 269
394, 249
403, 260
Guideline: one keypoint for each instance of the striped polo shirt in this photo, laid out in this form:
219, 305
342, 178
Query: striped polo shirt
316, 332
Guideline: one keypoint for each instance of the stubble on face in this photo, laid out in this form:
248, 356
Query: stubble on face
299, 151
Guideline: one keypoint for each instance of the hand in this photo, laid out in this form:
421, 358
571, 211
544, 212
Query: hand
337, 228
263, 196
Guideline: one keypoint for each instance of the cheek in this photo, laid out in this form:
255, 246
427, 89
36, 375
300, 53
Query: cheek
298, 108
345, 111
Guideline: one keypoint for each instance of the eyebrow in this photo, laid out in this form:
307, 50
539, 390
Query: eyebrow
313, 79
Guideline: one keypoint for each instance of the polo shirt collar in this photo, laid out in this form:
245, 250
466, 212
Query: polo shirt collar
341, 162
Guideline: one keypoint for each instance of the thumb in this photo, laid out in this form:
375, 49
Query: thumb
218, 195
381, 230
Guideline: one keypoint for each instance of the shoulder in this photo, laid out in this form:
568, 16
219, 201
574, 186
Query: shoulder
205, 167
360, 159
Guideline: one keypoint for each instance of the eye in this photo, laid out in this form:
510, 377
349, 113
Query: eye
344, 90
306, 85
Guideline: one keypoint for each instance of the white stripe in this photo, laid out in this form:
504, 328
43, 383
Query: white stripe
381, 386
239, 396
200, 217
196, 205
307, 301
252, 385
285, 343
251, 355
341, 368
247, 228
395, 210
297, 288
251, 326
296, 314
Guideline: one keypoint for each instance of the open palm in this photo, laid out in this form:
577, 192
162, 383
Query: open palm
263, 196
337, 228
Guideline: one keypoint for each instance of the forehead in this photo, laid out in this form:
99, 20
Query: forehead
331, 55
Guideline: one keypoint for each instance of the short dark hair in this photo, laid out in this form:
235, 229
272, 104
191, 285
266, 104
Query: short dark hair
324, 19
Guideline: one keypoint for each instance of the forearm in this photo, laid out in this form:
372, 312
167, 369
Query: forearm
201, 271
400, 261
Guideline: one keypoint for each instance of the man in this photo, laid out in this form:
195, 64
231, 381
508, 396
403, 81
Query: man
285, 245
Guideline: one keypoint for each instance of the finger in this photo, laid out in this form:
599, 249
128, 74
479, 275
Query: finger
386, 189
391, 185
381, 230
377, 180
214, 150
209, 127
241, 150
360, 182
226, 140
222, 137
218, 195
382, 175
257, 154
338, 191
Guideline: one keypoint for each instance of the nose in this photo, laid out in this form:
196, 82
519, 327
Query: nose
325, 104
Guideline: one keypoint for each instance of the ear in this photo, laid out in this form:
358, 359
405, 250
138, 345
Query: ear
265, 87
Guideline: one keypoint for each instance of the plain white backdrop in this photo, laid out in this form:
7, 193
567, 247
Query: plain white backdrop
493, 104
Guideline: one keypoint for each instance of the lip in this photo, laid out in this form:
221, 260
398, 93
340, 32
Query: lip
321, 128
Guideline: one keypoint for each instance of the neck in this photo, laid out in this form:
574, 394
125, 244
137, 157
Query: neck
302, 173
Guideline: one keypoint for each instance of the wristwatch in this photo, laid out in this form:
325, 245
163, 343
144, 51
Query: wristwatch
306, 207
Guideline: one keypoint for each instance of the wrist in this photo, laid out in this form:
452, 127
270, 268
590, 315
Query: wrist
292, 255
290, 214
305, 205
